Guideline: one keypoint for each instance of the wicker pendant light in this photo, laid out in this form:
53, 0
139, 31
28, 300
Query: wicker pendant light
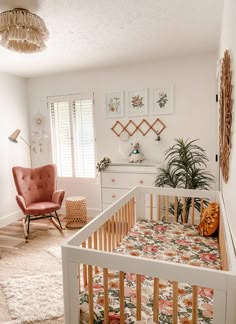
22, 31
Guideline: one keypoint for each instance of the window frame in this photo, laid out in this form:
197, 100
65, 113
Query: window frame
70, 98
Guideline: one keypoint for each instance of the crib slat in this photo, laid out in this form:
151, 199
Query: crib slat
109, 234
85, 275
132, 205
126, 218
131, 212
105, 236
95, 240
194, 304
90, 290
192, 208
223, 251
184, 209
139, 296
117, 228
120, 226
106, 302
156, 300
122, 298
123, 221
159, 207
129, 215
151, 207
176, 209
201, 205
167, 208
175, 302
100, 239
90, 242
112, 233
85, 269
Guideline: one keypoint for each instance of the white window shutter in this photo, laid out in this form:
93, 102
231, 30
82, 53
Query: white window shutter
72, 132
84, 138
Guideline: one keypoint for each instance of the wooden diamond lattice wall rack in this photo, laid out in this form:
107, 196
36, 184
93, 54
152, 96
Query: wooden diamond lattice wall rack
144, 127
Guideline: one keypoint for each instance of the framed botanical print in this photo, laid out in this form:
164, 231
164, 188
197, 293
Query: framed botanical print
137, 102
162, 100
114, 104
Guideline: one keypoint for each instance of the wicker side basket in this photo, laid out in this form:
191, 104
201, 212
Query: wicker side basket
76, 212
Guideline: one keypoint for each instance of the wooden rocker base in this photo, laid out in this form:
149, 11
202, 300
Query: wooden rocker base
60, 228
28, 218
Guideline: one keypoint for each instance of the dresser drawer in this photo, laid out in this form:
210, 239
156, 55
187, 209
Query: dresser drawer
126, 180
109, 196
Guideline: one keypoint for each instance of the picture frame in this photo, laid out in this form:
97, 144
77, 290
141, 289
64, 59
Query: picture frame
162, 98
137, 103
114, 104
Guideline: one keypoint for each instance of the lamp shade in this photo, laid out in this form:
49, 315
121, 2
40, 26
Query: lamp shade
22, 31
14, 136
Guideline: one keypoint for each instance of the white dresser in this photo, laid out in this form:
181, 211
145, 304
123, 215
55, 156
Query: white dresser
120, 177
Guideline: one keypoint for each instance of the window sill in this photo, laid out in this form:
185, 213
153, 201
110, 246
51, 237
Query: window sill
78, 180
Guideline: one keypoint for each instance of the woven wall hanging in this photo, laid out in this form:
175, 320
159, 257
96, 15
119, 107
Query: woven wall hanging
225, 114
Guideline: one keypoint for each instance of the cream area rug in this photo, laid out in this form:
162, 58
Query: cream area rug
55, 251
34, 298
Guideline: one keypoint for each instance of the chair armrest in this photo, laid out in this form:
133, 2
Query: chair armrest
21, 202
58, 197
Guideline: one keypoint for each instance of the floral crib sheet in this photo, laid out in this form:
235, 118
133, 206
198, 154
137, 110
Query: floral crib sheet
173, 242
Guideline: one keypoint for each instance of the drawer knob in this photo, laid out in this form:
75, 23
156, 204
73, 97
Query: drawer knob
141, 181
113, 196
113, 180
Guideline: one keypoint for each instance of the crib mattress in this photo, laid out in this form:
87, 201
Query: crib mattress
160, 240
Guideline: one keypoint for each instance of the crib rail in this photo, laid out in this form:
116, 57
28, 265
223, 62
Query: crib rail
90, 252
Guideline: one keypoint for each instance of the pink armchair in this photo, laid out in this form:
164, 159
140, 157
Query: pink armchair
37, 195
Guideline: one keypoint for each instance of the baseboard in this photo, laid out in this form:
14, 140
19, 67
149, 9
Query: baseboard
11, 218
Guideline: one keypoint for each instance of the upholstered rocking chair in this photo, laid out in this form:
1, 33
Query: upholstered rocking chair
37, 195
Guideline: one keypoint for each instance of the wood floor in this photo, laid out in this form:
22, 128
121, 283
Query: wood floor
12, 236
18, 258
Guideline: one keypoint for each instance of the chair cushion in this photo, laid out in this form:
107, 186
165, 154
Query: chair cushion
35, 185
41, 208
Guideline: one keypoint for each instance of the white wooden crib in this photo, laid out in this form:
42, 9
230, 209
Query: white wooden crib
90, 251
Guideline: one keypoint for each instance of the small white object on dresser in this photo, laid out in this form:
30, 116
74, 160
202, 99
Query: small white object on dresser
120, 177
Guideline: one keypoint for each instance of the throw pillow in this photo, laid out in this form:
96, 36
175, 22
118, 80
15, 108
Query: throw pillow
209, 220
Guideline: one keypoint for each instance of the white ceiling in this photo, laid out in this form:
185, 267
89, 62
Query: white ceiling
87, 34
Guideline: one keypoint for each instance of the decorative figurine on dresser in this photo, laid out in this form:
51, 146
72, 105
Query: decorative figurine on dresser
135, 155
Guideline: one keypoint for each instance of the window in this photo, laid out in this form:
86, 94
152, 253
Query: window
72, 133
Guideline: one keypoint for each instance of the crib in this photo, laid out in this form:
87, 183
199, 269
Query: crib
92, 252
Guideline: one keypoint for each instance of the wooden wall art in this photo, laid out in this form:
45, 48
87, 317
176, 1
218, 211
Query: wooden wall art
225, 114
144, 127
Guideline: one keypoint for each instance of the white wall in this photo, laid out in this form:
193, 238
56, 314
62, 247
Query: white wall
194, 104
227, 41
14, 114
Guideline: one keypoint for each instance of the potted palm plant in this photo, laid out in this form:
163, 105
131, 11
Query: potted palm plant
186, 164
